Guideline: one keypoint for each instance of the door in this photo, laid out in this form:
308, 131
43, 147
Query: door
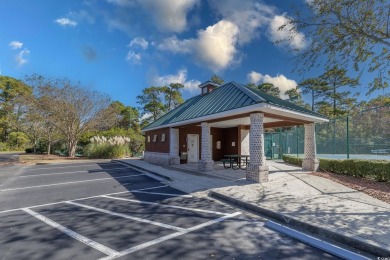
193, 148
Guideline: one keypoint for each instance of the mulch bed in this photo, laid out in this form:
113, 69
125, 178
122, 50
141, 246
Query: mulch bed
378, 190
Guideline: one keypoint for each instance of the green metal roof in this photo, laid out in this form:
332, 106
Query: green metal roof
227, 97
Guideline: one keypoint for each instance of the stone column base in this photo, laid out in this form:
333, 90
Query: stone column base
257, 173
174, 160
206, 166
310, 165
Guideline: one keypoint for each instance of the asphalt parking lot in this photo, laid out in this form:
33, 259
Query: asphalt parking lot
109, 210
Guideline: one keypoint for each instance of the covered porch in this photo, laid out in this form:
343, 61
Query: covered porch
208, 143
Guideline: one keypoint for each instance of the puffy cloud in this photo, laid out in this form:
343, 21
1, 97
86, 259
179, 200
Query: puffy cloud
298, 39
279, 81
180, 77
65, 22
20, 57
173, 44
215, 47
15, 45
133, 57
169, 16
248, 15
139, 41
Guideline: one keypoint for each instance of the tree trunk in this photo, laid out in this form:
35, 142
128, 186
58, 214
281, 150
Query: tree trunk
48, 148
312, 100
72, 147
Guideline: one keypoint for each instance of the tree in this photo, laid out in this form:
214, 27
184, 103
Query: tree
172, 95
11, 110
295, 97
217, 79
270, 89
151, 102
346, 33
315, 87
336, 78
126, 116
71, 109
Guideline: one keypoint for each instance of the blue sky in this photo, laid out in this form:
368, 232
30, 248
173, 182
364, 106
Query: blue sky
120, 47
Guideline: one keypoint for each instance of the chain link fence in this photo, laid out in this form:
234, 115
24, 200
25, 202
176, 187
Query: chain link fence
364, 135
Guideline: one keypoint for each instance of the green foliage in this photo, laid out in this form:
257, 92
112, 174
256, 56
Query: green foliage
293, 160
173, 97
18, 140
106, 151
344, 32
217, 79
270, 89
370, 169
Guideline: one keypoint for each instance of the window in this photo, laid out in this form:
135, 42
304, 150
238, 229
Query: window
148, 138
162, 137
154, 138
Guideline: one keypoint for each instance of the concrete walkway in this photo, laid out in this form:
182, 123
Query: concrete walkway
299, 196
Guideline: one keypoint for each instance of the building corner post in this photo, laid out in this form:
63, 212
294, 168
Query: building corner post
257, 169
310, 161
206, 163
174, 157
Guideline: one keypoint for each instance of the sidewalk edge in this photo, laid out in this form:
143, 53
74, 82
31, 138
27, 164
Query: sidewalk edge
313, 229
144, 169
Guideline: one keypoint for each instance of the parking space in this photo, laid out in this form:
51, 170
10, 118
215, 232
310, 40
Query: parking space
138, 217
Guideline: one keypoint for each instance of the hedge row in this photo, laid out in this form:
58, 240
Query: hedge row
370, 169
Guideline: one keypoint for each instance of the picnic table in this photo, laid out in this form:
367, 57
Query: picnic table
241, 161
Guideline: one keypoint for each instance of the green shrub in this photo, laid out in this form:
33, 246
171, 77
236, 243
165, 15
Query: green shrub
293, 160
106, 151
370, 169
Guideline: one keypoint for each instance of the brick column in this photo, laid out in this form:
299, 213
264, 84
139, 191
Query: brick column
310, 162
174, 157
206, 163
257, 169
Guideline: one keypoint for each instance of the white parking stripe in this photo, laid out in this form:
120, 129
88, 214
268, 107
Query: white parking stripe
56, 173
166, 206
71, 233
165, 238
126, 216
85, 198
71, 182
68, 166
167, 194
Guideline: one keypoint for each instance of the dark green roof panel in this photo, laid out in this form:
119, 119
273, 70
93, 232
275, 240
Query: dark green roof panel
224, 98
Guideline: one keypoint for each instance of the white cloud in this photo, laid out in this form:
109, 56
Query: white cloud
15, 45
173, 44
249, 16
65, 22
215, 47
180, 77
169, 16
139, 41
298, 42
20, 57
133, 57
279, 81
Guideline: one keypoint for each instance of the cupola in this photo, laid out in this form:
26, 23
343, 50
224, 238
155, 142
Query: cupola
208, 86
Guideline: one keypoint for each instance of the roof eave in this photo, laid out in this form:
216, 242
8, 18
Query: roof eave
259, 107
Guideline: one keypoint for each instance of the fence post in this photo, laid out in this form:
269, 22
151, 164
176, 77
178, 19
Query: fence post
297, 141
347, 137
334, 134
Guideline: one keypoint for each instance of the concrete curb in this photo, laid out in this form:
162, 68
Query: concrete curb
347, 240
149, 171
